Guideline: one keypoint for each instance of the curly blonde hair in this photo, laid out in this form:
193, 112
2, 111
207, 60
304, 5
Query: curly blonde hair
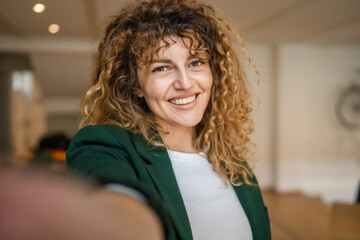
132, 38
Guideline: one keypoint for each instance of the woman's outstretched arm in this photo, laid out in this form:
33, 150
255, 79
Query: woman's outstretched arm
39, 206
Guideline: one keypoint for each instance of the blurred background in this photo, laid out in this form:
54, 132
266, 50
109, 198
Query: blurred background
308, 115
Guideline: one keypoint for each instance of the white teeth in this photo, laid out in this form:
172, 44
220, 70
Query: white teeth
182, 101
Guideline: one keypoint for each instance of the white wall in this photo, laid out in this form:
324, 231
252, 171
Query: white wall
301, 146
264, 56
314, 152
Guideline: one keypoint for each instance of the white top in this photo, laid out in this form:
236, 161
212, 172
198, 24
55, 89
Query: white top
214, 210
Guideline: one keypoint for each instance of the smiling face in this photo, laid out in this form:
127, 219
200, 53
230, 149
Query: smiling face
176, 86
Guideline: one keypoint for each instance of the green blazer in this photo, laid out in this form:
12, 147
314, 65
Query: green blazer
109, 154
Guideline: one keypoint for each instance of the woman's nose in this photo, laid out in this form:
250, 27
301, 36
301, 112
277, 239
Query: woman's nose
183, 80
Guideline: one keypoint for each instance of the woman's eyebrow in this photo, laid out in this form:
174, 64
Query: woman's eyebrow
160, 61
165, 60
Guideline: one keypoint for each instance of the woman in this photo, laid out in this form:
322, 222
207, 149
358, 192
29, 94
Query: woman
168, 121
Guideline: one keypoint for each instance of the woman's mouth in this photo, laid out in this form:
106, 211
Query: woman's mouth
183, 101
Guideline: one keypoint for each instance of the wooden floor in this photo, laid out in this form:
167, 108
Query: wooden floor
297, 217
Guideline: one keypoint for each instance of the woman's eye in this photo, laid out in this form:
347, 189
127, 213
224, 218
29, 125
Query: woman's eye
196, 63
160, 69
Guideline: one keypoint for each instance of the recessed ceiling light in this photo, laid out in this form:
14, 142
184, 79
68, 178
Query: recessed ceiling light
39, 8
54, 28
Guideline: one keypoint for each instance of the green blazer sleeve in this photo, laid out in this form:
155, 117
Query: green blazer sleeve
101, 154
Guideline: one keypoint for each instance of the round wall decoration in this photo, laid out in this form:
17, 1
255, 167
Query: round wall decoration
347, 107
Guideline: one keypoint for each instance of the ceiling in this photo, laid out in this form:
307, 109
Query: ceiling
257, 20
63, 61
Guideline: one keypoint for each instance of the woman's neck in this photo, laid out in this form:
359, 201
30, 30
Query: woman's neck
180, 140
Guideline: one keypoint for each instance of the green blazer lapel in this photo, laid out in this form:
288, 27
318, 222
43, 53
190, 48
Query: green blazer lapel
151, 154
164, 179
252, 203
161, 172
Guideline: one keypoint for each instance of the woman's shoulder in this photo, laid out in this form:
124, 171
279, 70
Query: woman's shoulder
101, 131
100, 137
106, 134
110, 144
